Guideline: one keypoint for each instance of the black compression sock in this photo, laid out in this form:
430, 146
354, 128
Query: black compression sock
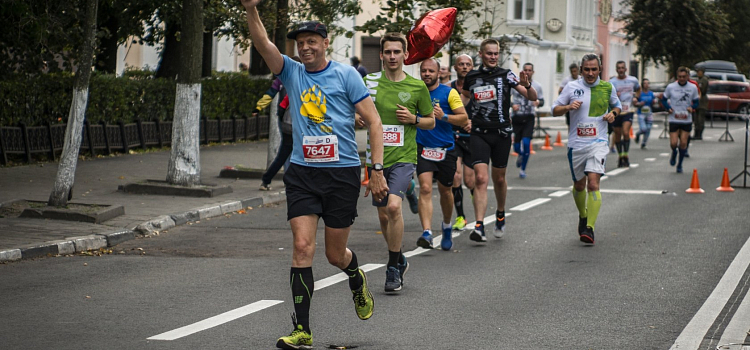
458, 200
302, 284
393, 258
355, 278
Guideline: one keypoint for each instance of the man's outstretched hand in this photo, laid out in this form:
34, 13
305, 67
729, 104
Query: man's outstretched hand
250, 3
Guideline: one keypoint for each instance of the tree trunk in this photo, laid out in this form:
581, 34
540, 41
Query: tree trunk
257, 64
184, 162
282, 23
61, 191
170, 54
208, 53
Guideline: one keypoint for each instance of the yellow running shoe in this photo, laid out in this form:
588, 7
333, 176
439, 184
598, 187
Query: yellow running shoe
363, 301
299, 339
460, 223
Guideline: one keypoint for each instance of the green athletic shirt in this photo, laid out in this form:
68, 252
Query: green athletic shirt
411, 93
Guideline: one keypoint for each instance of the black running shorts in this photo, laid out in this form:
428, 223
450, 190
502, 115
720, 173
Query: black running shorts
330, 193
443, 171
621, 118
673, 127
463, 150
490, 146
523, 126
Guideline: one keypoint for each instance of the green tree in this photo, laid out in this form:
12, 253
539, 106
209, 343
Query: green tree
400, 16
736, 48
676, 32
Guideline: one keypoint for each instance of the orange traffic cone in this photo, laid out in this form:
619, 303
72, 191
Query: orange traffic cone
366, 181
695, 186
725, 186
531, 148
558, 142
631, 133
546, 146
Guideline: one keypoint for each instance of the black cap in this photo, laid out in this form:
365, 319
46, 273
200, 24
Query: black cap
311, 26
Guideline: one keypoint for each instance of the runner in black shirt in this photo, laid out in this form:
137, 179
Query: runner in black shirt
486, 92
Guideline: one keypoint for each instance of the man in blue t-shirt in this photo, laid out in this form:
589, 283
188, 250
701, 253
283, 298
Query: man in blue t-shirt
437, 153
323, 180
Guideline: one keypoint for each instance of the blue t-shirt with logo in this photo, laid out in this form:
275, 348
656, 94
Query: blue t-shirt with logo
322, 104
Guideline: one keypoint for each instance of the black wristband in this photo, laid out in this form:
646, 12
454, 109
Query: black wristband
614, 113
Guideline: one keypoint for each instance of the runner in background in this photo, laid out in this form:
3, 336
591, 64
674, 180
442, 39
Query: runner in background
463, 65
680, 99
627, 89
523, 117
437, 154
574, 75
645, 114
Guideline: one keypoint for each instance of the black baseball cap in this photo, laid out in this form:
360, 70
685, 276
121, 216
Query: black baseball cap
311, 26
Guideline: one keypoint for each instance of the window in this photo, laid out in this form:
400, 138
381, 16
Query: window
522, 10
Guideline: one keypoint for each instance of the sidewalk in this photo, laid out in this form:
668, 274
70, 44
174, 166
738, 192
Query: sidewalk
96, 182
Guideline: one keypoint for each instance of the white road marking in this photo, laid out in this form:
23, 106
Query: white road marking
664, 154
630, 191
216, 320
650, 160
736, 330
542, 188
635, 165
340, 277
531, 204
602, 179
559, 193
708, 137
617, 171
692, 336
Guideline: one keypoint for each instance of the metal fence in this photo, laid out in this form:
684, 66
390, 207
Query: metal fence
107, 138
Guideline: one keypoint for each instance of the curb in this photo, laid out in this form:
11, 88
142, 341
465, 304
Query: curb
110, 239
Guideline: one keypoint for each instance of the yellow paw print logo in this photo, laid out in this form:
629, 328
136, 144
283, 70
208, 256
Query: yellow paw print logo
313, 104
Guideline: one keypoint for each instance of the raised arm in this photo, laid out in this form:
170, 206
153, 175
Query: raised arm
265, 47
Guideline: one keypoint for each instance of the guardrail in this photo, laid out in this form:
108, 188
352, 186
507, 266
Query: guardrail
106, 138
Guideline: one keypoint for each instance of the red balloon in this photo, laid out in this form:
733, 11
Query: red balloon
430, 34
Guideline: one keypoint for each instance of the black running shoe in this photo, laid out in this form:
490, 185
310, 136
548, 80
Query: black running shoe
626, 162
392, 280
588, 235
581, 225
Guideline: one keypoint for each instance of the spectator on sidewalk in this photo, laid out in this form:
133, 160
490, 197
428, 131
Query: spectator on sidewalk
286, 145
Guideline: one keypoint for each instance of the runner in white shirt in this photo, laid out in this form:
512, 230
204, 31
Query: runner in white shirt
680, 99
627, 89
592, 103
574, 75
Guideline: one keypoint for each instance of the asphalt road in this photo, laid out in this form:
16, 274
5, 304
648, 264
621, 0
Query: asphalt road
660, 254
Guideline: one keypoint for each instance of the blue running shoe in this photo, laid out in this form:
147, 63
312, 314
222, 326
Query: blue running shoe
392, 280
673, 157
402, 268
412, 198
447, 242
679, 169
499, 230
477, 235
425, 241
522, 174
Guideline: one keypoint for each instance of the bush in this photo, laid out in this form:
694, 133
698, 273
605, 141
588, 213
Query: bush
46, 98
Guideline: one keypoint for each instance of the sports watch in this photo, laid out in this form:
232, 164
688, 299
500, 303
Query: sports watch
377, 167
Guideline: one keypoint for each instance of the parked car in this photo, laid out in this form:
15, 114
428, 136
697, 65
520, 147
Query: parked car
719, 70
729, 96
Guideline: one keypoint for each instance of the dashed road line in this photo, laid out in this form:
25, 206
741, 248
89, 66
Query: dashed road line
649, 160
531, 204
558, 194
617, 171
216, 320
340, 277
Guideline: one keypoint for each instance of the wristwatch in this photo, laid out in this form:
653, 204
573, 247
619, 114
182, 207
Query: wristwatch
377, 167
416, 119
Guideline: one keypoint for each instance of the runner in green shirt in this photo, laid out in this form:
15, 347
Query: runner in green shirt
404, 104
